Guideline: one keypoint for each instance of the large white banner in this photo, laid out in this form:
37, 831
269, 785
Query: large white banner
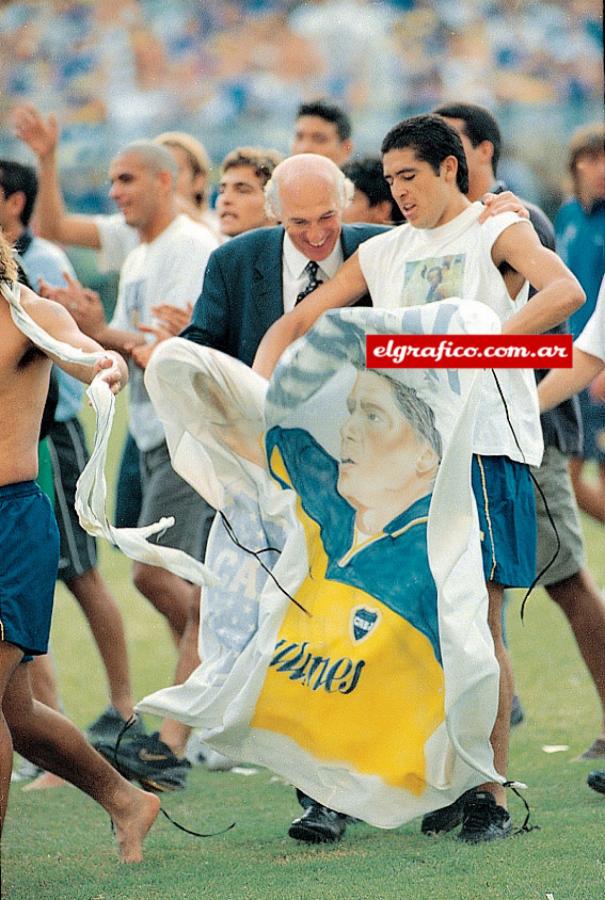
345, 643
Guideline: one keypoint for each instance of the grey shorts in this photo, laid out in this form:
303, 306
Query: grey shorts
553, 478
166, 494
69, 455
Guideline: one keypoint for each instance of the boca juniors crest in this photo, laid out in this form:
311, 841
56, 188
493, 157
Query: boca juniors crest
344, 642
363, 621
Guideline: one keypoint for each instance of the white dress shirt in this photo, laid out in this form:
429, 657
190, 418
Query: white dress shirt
294, 277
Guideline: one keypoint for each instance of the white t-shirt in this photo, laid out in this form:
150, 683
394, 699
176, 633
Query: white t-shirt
170, 269
118, 239
592, 338
411, 266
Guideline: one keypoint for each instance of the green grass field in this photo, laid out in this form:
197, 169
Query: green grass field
58, 843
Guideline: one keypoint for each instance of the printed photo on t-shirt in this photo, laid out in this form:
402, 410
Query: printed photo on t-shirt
134, 302
435, 278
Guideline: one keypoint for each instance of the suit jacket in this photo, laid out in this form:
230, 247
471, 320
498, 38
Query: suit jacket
242, 293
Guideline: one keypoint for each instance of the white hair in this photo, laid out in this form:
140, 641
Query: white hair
345, 190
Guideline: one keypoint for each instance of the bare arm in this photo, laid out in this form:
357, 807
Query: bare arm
58, 323
85, 307
347, 286
560, 384
558, 292
54, 222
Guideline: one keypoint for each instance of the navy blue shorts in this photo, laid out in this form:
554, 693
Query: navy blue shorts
506, 504
29, 554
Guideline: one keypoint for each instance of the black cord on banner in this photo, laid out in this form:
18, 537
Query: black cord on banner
526, 826
543, 498
255, 553
131, 721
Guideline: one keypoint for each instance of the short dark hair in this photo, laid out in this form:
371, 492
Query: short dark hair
432, 140
331, 113
589, 141
16, 177
261, 159
479, 125
368, 177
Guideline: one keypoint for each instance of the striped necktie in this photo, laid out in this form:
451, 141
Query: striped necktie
314, 282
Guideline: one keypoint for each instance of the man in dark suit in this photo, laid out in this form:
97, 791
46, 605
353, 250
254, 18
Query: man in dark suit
256, 277
253, 279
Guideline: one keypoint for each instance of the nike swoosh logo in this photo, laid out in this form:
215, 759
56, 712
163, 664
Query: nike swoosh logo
146, 756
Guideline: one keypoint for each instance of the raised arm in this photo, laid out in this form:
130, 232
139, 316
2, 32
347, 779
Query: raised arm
347, 286
558, 292
53, 220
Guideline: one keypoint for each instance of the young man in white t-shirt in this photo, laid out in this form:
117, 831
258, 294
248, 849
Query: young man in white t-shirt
444, 244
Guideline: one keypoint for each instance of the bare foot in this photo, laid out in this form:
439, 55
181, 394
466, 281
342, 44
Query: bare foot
44, 782
132, 825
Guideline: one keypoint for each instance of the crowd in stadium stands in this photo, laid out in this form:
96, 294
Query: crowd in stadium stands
114, 70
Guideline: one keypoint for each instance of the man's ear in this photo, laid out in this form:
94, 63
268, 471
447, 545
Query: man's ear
449, 168
16, 203
347, 148
426, 462
486, 151
166, 179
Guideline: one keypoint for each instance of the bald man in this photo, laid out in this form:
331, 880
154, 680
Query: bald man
256, 277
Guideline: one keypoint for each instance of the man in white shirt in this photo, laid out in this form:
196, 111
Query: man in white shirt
424, 162
166, 267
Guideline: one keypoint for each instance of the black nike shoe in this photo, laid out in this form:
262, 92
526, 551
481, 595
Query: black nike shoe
318, 825
440, 821
149, 761
484, 820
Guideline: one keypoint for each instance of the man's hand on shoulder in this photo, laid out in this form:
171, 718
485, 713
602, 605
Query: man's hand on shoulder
500, 203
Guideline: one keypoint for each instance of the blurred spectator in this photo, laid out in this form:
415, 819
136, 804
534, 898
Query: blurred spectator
324, 128
580, 233
241, 197
372, 201
115, 70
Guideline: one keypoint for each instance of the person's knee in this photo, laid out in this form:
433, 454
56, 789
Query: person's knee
18, 714
144, 578
83, 585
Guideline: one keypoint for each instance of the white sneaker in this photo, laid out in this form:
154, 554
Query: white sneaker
200, 754
215, 761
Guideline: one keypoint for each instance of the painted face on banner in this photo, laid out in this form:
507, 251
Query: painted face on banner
380, 452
